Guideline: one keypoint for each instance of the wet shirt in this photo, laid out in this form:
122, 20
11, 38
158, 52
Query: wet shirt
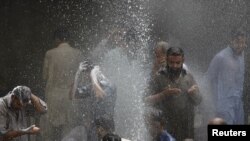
102, 108
105, 107
226, 74
177, 109
226, 77
12, 120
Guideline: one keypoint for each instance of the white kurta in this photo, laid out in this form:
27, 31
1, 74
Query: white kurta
60, 65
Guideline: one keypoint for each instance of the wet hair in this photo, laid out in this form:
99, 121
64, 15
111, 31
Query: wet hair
161, 45
104, 123
237, 32
23, 93
62, 34
111, 137
175, 51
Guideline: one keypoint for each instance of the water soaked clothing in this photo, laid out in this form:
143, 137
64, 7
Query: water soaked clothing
13, 120
226, 76
177, 109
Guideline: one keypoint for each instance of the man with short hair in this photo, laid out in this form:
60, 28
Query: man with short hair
225, 77
175, 92
13, 106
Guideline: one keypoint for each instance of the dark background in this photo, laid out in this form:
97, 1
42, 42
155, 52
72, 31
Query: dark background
201, 27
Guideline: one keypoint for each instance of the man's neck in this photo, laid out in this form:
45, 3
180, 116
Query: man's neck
174, 76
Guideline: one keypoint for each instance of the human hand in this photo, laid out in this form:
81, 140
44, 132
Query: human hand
31, 130
99, 93
83, 66
193, 89
172, 91
162, 60
35, 130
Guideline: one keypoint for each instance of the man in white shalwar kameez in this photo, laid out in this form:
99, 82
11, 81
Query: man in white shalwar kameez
59, 69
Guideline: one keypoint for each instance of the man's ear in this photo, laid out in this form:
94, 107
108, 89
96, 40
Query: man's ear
13, 97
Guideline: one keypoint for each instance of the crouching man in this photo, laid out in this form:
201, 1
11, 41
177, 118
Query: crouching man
13, 119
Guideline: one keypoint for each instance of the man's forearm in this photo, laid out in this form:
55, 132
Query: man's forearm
40, 107
13, 134
75, 84
154, 98
196, 96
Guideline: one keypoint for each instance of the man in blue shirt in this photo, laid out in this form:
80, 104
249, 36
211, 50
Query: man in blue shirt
226, 76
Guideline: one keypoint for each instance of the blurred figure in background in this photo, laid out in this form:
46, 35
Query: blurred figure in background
226, 77
98, 97
114, 39
156, 125
60, 65
160, 56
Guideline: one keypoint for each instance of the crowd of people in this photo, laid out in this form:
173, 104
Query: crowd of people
80, 100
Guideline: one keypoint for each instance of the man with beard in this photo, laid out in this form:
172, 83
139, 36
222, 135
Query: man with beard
175, 92
225, 77
160, 57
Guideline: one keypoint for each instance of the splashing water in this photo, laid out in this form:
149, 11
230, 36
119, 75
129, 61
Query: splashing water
130, 76
130, 79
